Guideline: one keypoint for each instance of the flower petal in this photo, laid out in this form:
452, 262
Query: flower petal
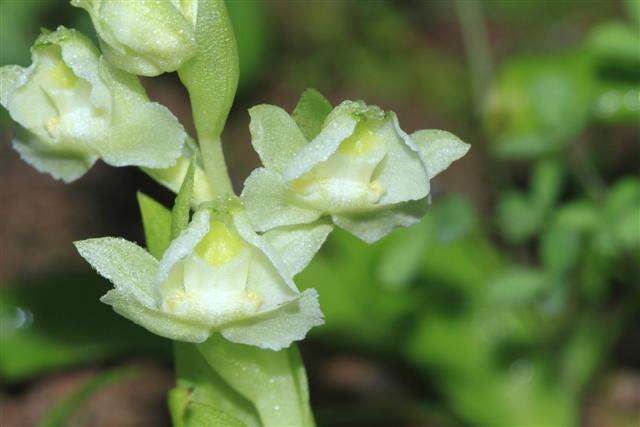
275, 136
277, 329
66, 169
267, 203
143, 133
439, 149
273, 264
337, 129
373, 226
155, 321
402, 173
130, 268
183, 245
298, 244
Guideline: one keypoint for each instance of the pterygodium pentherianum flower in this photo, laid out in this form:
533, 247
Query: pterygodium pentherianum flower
144, 37
218, 275
358, 166
75, 108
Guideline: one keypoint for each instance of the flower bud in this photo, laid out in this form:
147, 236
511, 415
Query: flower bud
361, 169
216, 276
75, 108
144, 37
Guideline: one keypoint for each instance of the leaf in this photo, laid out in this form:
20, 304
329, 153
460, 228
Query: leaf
518, 286
537, 104
560, 249
156, 220
61, 412
517, 217
615, 44
197, 382
272, 380
201, 415
182, 204
310, 112
546, 184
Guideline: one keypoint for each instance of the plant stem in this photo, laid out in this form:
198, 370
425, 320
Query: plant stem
476, 44
216, 168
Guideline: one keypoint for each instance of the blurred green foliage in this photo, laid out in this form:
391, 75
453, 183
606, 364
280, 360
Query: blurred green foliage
507, 318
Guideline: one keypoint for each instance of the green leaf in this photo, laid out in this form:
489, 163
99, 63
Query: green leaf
633, 10
546, 183
518, 285
310, 112
615, 44
517, 218
273, 380
156, 220
59, 415
537, 104
198, 383
182, 204
560, 249
201, 415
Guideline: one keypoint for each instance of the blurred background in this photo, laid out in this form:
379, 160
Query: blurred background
515, 302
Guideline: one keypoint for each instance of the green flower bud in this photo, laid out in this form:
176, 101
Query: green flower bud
361, 169
216, 276
75, 108
144, 37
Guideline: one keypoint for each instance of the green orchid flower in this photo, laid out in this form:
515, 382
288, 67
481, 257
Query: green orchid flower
218, 275
354, 164
75, 108
147, 37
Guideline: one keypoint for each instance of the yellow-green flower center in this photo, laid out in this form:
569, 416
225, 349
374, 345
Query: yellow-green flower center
61, 76
220, 245
361, 142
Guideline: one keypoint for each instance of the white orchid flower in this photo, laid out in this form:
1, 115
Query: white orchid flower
75, 108
359, 167
218, 275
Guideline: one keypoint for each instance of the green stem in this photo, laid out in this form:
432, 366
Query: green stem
173, 177
476, 44
211, 77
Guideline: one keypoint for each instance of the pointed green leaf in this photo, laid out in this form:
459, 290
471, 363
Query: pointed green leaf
182, 205
156, 220
310, 113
